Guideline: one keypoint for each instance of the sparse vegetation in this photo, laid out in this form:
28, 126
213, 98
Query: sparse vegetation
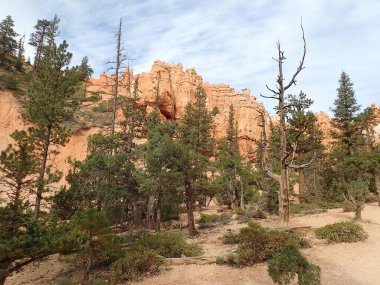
291, 264
209, 221
342, 232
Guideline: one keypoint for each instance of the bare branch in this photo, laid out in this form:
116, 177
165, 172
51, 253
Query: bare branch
305, 165
269, 97
271, 90
300, 66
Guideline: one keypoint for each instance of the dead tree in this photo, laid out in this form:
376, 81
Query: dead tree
278, 93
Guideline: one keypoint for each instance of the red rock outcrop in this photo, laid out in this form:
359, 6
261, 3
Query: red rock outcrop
176, 89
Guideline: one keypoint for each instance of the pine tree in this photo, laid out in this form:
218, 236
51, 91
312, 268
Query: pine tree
19, 165
85, 72
197, 148
349, 147
303, 136
38, 39
345, 112
49, 103
8, 43
44, 36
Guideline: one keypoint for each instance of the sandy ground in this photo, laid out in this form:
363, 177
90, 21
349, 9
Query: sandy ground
341, 264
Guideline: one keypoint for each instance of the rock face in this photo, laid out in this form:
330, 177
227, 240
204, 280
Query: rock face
176, 89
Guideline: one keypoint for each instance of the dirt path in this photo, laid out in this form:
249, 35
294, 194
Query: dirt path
341, 264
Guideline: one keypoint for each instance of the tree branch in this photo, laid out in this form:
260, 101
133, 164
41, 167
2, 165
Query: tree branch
300, 67
305, 165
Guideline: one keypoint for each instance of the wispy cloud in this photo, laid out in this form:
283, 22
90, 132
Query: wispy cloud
226, 41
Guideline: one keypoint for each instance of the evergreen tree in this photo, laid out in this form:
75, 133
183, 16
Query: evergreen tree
345, 113
197, 148
8, 43
19, 165
49, 103
303, 135
349, 148
85, 72
44, 36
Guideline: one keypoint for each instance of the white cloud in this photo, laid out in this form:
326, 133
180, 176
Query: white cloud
226, 41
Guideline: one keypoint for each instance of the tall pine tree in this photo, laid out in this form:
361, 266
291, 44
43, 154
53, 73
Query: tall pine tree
8, 42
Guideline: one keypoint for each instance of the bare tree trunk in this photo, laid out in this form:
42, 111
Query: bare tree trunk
301, 183
40, 181
116, 86
151, 212
377, 184
190, 210
279, 94
137, 218
158, 214
358, 212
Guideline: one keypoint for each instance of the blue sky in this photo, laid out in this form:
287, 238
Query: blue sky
226, 41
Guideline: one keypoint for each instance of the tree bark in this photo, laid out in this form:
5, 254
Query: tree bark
301, 184
40, 183
358, 213
190, 209
377, 184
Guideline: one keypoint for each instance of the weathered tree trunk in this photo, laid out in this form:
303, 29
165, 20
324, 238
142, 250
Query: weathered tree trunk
40, 181
377, 184
116, 86
158, 214
190, 209
279, 94
151, 213
137, 218
358, 213
301, 183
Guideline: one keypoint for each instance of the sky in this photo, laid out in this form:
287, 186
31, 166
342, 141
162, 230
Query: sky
227, 41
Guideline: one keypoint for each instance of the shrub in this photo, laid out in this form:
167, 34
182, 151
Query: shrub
230, 238
306, 209
208, 221
342, 232
10, 81
290, 262
257, 244
249, 215
167, 245
135, 264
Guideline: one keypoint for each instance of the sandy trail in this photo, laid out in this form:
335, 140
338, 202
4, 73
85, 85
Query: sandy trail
341, 264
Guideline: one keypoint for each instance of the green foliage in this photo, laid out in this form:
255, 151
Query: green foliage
257, 244
10, 81
208, 221
167, 245
134, 264
231, 238
284, 267
342, 232
8, 43
143, 255
85, 69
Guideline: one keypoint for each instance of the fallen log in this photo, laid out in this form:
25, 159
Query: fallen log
199, 260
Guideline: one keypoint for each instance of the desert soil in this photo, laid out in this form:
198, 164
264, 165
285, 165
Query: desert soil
341, 264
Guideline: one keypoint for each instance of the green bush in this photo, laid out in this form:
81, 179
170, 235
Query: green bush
10, 81
290, 263
231, 238
167, 245
208, 221
135, 264
249, 215
342, 232
257, 244
306, 209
